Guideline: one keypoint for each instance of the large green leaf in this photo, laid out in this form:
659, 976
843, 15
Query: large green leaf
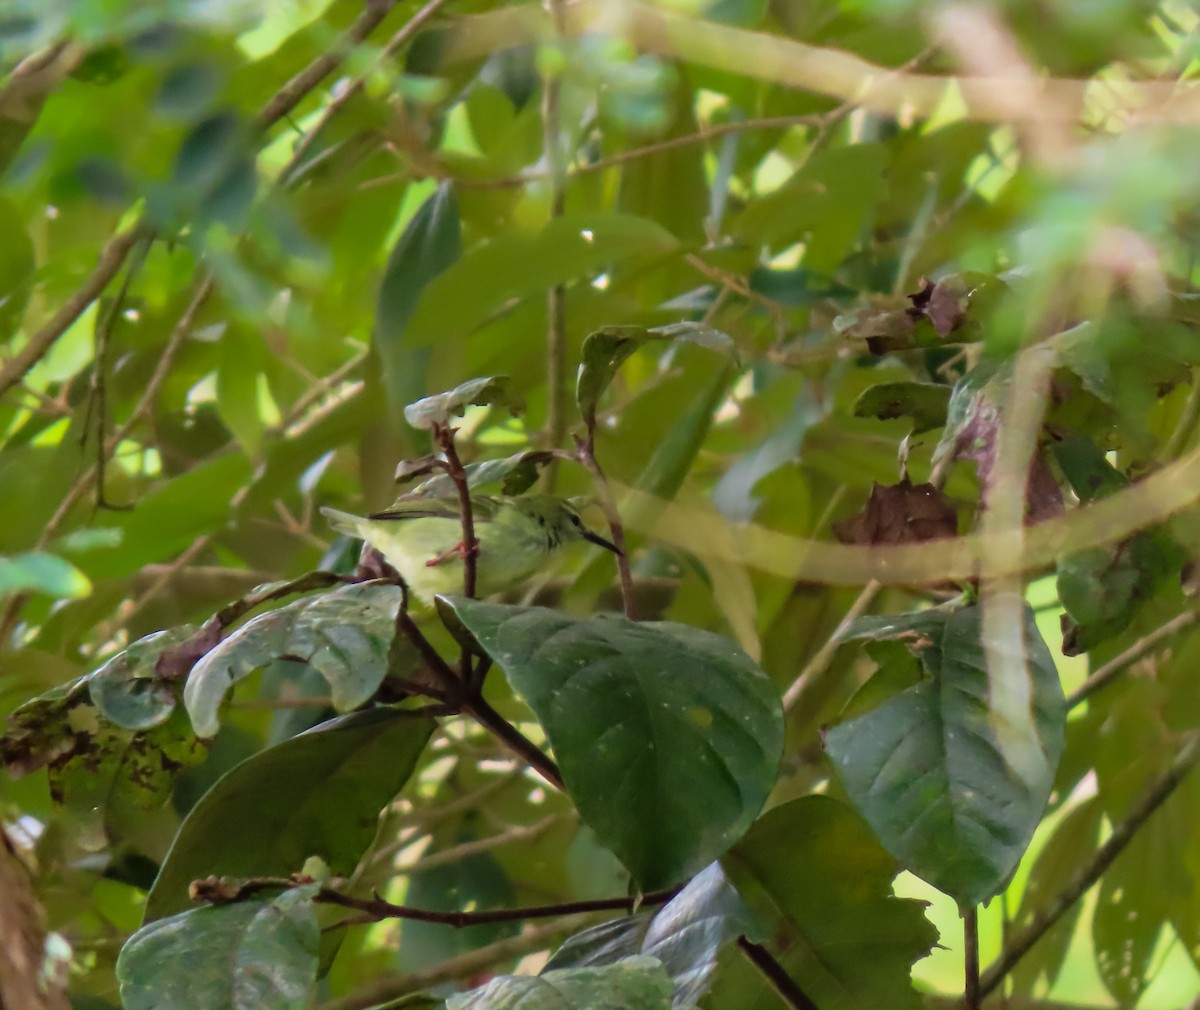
927, 767
429, 245
130, 690
652, 723
345, 634
318, 793
821, 887
636, 983
250, 955
518, 264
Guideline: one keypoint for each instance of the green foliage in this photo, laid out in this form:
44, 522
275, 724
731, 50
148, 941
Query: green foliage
649, 722
757, 288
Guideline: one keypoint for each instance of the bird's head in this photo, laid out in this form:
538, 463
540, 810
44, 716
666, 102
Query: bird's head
561, 517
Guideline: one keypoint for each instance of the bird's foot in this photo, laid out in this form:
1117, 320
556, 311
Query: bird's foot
458, 550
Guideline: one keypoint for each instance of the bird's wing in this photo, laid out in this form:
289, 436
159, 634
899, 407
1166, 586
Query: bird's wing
483, 509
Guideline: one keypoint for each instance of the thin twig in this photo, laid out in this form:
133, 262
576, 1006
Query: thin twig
339, 101
556, 296
585, 449
1108, 672
787, 988
971, 996
294, 91
108, 265
1023, 939
812, 678
514, 739
444, 435
464, 850
485, 958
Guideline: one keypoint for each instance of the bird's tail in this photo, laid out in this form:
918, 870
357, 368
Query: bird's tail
343, 522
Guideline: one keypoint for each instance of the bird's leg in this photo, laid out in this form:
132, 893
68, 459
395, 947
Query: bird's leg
459, 549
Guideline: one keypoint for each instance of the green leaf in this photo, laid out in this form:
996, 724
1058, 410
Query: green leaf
129, 691
824, 205
345, 634
317, 794
515, 475
927, 767
1103, 588
39, 572
430, 244
439, 409
17, 264
515, 265
684, 935
924, 402
250, 955
651, 723
1073, 841
604, 351
636, 983
820, 885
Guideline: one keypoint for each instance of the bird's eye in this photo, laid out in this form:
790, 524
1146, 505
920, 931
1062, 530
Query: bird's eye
576, 520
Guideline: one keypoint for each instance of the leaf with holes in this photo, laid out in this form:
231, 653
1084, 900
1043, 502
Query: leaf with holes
345, 634
438, 410
652, 723
927, 767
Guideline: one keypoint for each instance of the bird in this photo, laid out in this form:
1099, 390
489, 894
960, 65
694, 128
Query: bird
422, 538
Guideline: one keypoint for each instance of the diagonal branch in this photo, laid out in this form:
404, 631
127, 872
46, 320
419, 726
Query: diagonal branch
112, 257
1022, 940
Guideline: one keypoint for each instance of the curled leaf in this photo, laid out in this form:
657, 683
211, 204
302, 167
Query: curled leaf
437, 410
903, 513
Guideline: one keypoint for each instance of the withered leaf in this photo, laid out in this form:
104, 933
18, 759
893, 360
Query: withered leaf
903, 513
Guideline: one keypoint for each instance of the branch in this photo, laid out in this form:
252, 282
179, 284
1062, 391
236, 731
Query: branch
812, 678
223, 891
556, 296
1108, 672
773, 972
444, 435
972, 998
294, 91
467, 965
112, 257
378, 910
406, 32
1023, 939
464, 850
586, 453
514, 739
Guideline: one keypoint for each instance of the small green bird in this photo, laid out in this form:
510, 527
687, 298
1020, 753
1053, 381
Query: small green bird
422, 539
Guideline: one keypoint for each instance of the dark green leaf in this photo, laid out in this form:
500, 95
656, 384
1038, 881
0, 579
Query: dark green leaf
515, 475
924, 402
317, 794
820, 885
606, 350
439, 409
928, 768
650, 722
250, 955
637, 983
517, 264
344, 634
429, 245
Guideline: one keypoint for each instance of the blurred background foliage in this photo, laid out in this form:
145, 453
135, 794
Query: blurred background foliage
240, 236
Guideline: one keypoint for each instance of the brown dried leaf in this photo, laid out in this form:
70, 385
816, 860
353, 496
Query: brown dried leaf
903, 513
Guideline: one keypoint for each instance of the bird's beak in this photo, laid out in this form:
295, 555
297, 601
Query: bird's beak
599, 541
